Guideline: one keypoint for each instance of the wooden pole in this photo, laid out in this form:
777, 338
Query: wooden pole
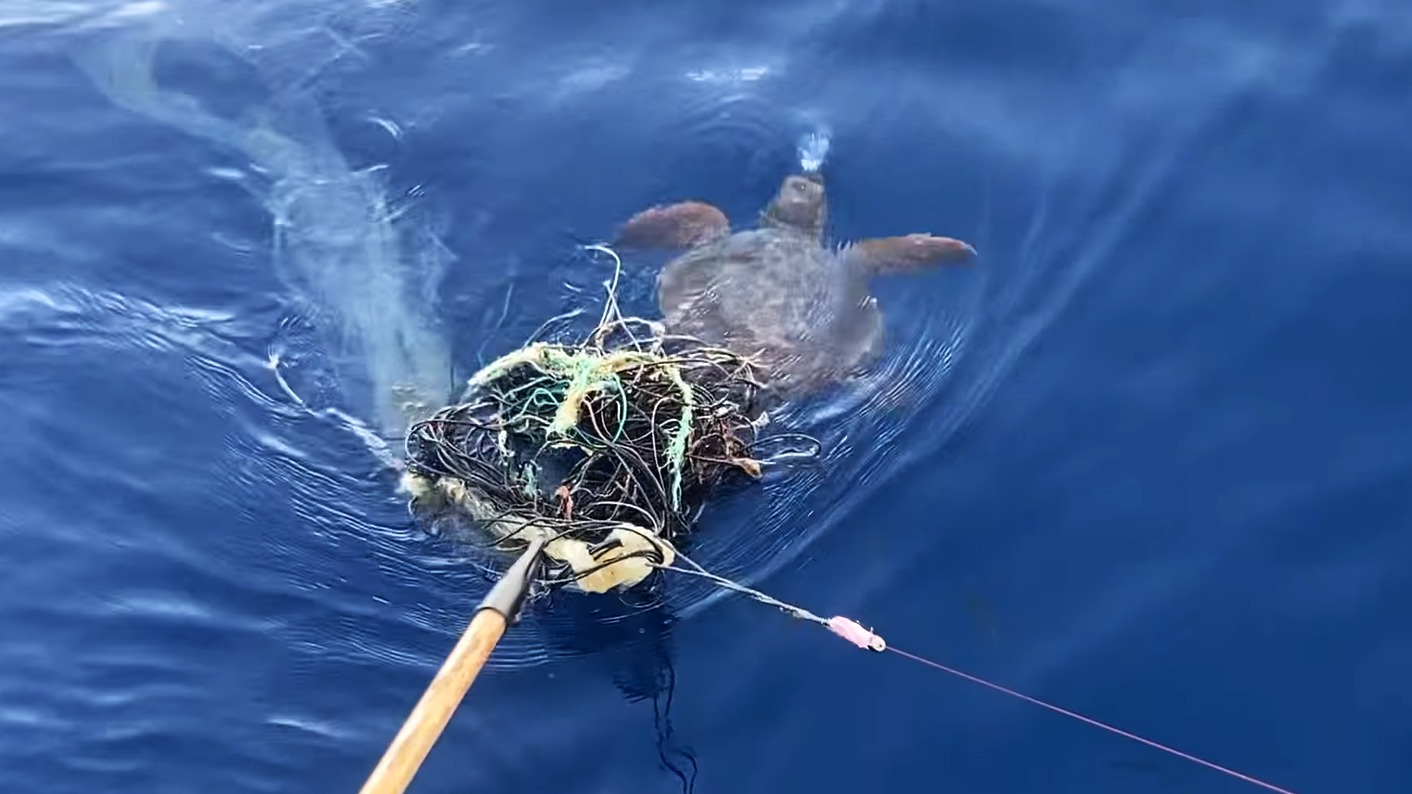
424, 725
428, 719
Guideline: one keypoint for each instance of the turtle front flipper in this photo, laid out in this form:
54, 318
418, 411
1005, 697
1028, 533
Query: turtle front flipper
682, 225
885, 255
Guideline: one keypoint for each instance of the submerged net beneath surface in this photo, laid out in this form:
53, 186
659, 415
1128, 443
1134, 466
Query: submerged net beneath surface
607, 449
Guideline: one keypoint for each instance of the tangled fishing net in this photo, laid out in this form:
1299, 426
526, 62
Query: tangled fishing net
606, 448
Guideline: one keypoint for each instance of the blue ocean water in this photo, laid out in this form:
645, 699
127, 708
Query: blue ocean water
1148, 457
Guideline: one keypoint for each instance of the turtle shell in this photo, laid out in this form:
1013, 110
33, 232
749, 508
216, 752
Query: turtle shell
778, 295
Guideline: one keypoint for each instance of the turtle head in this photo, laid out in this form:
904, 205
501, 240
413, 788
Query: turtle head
799, 204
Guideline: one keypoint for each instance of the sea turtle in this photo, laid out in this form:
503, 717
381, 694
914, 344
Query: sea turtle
778, 293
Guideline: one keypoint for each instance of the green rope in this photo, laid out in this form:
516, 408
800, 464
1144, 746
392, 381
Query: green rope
570, 378
677, 450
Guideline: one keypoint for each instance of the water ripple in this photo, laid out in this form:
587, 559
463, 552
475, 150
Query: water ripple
728, 109
200, 518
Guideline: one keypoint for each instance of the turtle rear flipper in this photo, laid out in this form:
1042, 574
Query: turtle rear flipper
887, 255
682, 225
